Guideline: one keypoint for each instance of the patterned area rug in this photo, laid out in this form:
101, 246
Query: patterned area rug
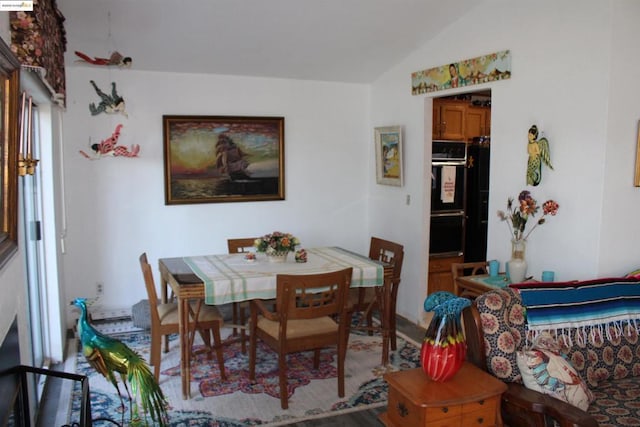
240, 402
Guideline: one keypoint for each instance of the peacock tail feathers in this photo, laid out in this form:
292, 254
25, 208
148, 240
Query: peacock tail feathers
144, 386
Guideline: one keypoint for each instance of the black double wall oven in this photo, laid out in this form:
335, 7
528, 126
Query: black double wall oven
448, 187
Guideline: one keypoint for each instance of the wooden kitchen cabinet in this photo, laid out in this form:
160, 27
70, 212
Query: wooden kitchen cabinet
471, 398
477, 122
449, 118
458, 120
440, 278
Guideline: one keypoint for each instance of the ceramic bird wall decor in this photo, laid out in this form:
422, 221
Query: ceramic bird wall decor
109, 104
538, 150
111, 358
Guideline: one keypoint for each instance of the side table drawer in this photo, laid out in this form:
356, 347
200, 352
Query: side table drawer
480, 414
443, 412
402, 412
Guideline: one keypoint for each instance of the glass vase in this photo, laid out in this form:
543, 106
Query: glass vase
518, 263
444, 347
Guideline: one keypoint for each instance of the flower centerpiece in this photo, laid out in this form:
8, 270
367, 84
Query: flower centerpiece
277, 245
516, 217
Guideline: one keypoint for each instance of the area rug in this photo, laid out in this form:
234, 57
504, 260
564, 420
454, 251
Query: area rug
239, 402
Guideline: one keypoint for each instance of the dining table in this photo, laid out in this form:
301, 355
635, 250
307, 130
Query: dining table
226, 278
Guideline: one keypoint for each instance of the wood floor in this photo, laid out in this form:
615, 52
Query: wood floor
369, 417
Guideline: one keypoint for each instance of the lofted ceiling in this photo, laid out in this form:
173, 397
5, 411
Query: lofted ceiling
330, 40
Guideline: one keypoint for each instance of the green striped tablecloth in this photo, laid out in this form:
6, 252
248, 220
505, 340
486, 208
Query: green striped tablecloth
231, 278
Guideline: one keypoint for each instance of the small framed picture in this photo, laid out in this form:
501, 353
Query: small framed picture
388, 142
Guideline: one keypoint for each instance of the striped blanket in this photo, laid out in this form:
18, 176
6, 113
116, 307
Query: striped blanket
601, 303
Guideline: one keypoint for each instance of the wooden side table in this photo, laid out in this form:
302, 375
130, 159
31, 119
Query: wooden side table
471, 398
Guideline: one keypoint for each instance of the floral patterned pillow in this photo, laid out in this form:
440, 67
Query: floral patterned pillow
503, 324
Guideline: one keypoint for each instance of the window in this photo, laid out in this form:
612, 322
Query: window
9, 88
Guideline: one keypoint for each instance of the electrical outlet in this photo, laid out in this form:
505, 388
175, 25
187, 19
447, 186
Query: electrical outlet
99, 288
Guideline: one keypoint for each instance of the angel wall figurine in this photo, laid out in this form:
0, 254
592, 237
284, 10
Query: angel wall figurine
110, 104
538, 150
109, 147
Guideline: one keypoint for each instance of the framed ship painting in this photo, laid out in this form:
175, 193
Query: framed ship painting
212, 159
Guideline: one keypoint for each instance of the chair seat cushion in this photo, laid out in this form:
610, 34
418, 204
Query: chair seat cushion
169, 313
617, 402
299, 328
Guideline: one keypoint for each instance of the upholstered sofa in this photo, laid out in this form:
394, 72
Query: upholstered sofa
606, 358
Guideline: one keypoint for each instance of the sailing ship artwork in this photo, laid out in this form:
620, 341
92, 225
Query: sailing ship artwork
211, 159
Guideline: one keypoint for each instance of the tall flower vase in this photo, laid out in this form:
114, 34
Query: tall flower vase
518, 263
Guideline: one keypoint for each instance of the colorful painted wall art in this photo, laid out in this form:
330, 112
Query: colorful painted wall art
469, 72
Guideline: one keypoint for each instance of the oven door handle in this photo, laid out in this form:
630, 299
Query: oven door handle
449, 163
443, 214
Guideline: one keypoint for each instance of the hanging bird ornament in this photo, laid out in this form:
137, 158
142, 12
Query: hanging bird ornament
538, 150
109, 357
110, 104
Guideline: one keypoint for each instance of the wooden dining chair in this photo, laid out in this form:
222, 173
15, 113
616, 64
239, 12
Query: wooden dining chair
364, 301
164, 321
311, 313
239, 309
467, 269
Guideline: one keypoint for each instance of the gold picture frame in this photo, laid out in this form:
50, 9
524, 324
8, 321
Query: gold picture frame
388, 142
9, 88
217, 159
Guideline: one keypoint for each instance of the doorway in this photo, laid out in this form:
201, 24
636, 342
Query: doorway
462, 121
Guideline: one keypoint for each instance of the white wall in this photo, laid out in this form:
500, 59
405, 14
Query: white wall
618, 249
561, 53
115, 206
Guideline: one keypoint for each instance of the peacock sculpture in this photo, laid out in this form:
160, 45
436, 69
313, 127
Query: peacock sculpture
109, 356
